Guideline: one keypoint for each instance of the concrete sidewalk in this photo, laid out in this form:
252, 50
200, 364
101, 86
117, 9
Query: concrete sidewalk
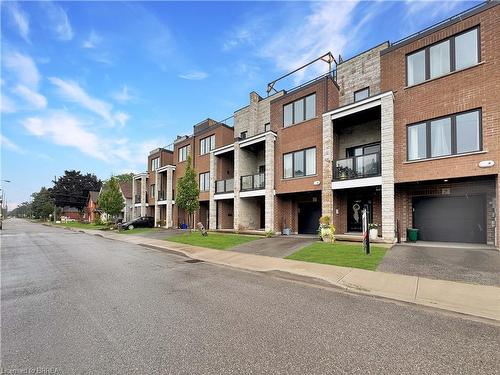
476, 300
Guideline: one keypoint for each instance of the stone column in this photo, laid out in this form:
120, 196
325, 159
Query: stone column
157, 207
134, 192
143, 195
497, 212
170, 184
326, 189
269, 176
387, 160
237, 174
212, 206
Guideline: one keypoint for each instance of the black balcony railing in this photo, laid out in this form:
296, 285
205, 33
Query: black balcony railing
357, 167
137, 198
224, 186
253, 182
162, 195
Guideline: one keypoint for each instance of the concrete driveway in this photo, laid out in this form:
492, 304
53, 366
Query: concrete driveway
456, 263
278, 247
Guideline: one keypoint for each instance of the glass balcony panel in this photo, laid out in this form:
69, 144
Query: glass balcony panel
357, 167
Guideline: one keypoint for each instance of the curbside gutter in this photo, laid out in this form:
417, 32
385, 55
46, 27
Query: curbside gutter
480, 301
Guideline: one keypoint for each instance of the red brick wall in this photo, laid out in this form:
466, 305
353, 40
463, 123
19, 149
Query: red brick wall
475, 87
225, 214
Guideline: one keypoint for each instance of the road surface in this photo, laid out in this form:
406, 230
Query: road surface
76, 303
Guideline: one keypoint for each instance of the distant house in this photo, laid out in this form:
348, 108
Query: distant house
91, 208
71, 213
126, 190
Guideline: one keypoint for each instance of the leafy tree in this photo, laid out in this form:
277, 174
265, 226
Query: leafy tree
124, 177
73, 188
22, 210
187, 192
43, 204
111, 200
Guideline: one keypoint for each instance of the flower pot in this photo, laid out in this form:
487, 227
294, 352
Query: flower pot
373, 233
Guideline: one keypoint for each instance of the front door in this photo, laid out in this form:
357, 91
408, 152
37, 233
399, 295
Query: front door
308, 216
355, 210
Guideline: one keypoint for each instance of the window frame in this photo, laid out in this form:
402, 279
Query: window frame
155, 163
303, 151
453, 134
304, 110
209, 142
367, 88
181, 152
203, 176
426, 49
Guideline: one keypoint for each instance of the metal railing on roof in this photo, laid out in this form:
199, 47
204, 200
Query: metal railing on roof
452, 18
331, 73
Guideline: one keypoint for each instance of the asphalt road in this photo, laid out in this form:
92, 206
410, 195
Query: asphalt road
83, 304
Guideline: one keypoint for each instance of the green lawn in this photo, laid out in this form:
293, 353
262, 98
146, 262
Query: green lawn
341, 254
76, 224
139, 230
217, 241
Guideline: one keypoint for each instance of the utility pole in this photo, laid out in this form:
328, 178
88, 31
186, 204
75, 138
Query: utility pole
55, 208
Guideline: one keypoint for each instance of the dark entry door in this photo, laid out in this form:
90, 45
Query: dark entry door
451, 219
308, 215
354, 212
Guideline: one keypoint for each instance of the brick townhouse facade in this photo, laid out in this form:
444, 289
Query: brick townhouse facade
408, 131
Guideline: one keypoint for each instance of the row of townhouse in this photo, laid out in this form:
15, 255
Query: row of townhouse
408, 130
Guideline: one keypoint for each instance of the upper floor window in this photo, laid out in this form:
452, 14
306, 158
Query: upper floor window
361, 94
207, 144
183, 153
267, 127
451, 135
299, 163
205, 181
455, 53
152, 191
155, 163
243, 135
299, 110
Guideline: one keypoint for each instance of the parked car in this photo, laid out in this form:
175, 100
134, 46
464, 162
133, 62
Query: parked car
140, 222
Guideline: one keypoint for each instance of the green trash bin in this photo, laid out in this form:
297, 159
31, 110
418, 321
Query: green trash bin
411, 234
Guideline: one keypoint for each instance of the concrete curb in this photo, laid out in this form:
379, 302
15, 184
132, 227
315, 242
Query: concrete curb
476, 300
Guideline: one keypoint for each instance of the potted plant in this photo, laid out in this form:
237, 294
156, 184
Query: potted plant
326, 229
373, 228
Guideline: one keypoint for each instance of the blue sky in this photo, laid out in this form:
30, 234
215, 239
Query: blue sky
94, 86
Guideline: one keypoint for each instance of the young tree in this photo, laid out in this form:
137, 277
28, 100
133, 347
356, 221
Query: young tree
111, 200
187, 192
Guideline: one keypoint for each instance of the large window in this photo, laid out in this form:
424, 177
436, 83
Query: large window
183, 153
300, 110
299, 163
205, 181
207, 144
451, 135
457, 52
155, 163
361, 94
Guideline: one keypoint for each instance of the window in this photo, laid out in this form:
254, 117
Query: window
440, 59
457, 52
183, 153
205, 181
155, 163
361, 94
267, 127
243, 135
300, 110
152, 191
466, 49
468, 132
451, 135
207, 144
299, 163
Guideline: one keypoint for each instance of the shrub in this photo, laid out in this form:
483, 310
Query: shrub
269, 233
324, 220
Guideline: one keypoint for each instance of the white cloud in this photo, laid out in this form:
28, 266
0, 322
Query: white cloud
58, 20
23, 67
123, 95
10, 145
34, 99
66, 130
72, 92
20, 19
194, 75
7, 105
92, 41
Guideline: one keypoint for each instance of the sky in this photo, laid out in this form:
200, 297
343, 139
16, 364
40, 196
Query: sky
94, 86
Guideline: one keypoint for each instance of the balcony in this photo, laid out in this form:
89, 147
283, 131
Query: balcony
362, 166
137, 198
224, 186
253, 182
162, 195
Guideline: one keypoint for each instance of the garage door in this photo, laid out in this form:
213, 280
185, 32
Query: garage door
451, 219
